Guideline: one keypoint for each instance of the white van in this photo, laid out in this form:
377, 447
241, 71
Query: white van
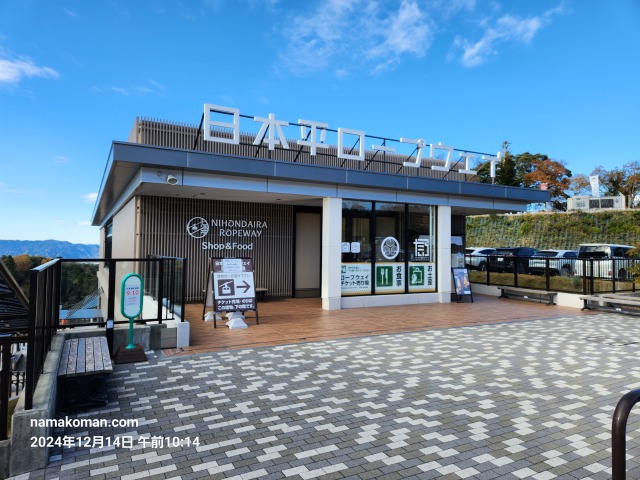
606, 260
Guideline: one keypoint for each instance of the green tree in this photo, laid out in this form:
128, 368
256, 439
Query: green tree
507, 172
635, 253
624, 180
534, 170
10, 263
580, 185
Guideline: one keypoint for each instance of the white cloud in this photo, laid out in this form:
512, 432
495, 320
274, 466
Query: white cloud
341, 35
507, 28
90, 197
153, 88
13, 70
408, 30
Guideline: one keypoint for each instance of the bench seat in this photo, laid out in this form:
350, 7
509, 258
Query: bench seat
261, 294
527, 293
84, 365
610, 301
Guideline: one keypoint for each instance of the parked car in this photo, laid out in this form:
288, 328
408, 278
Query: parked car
508, 259
477, 257
604, 260
561, 262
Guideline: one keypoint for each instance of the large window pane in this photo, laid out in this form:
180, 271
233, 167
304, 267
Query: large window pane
421, 233
390, 248
356, 248
387, 248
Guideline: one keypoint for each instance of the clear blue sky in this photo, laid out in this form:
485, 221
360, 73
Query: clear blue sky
556, 77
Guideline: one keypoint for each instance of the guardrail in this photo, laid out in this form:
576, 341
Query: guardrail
44, 298
163, 277
10, 380
619, 433
571, 275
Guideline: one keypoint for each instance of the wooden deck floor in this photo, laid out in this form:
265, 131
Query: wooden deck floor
292, 320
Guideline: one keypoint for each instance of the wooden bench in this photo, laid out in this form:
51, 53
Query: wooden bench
612, 302
84, 365
528, 293
261, 294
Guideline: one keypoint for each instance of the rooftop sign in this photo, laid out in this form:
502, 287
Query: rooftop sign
222, 124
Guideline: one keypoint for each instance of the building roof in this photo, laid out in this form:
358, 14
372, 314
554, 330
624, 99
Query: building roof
255, 173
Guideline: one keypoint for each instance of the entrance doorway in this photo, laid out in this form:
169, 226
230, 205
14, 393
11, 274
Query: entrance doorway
308, 252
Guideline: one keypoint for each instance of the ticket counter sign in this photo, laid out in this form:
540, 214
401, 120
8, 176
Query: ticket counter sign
233, 284
355, 279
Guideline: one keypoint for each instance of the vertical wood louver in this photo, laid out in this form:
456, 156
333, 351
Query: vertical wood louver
163, 231
183, 136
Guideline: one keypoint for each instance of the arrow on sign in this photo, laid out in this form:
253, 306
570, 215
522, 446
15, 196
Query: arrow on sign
246, 286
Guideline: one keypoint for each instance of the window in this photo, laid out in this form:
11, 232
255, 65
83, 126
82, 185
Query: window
390, 248
356, 248
421, 242
108, 241
387, 248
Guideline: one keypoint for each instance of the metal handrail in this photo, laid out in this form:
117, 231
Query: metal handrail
619, 434
589, 275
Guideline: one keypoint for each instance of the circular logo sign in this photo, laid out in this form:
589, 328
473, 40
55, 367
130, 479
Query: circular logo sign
390, 248
197, 227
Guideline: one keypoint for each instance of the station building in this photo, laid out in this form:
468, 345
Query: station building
354, 219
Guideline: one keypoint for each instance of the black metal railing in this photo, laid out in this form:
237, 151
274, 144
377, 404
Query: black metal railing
571, 275
619, 433
11, 381
44, 298
163, 279
5, 383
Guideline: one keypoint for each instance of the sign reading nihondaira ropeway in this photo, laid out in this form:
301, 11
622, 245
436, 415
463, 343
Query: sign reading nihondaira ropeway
232, 284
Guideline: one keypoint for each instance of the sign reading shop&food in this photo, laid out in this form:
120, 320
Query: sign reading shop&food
232, 234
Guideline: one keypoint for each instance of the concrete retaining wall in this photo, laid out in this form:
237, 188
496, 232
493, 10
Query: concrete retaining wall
24, 457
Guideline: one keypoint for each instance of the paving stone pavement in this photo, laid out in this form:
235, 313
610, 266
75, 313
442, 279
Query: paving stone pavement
515, 400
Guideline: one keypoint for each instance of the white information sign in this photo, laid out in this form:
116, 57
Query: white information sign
355, 279
131, 296
233, 284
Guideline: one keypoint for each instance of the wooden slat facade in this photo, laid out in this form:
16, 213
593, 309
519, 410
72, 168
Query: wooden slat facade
180, 135
163, 231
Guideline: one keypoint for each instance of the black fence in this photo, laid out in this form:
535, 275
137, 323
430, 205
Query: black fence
44, 298
12, 381
163, 280
571, 275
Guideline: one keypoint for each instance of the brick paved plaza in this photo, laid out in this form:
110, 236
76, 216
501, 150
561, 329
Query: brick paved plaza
532, 399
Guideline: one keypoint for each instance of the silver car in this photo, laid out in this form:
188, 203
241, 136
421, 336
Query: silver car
476, 257
561, 262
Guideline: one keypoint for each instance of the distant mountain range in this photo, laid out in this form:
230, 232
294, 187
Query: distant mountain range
48, 248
